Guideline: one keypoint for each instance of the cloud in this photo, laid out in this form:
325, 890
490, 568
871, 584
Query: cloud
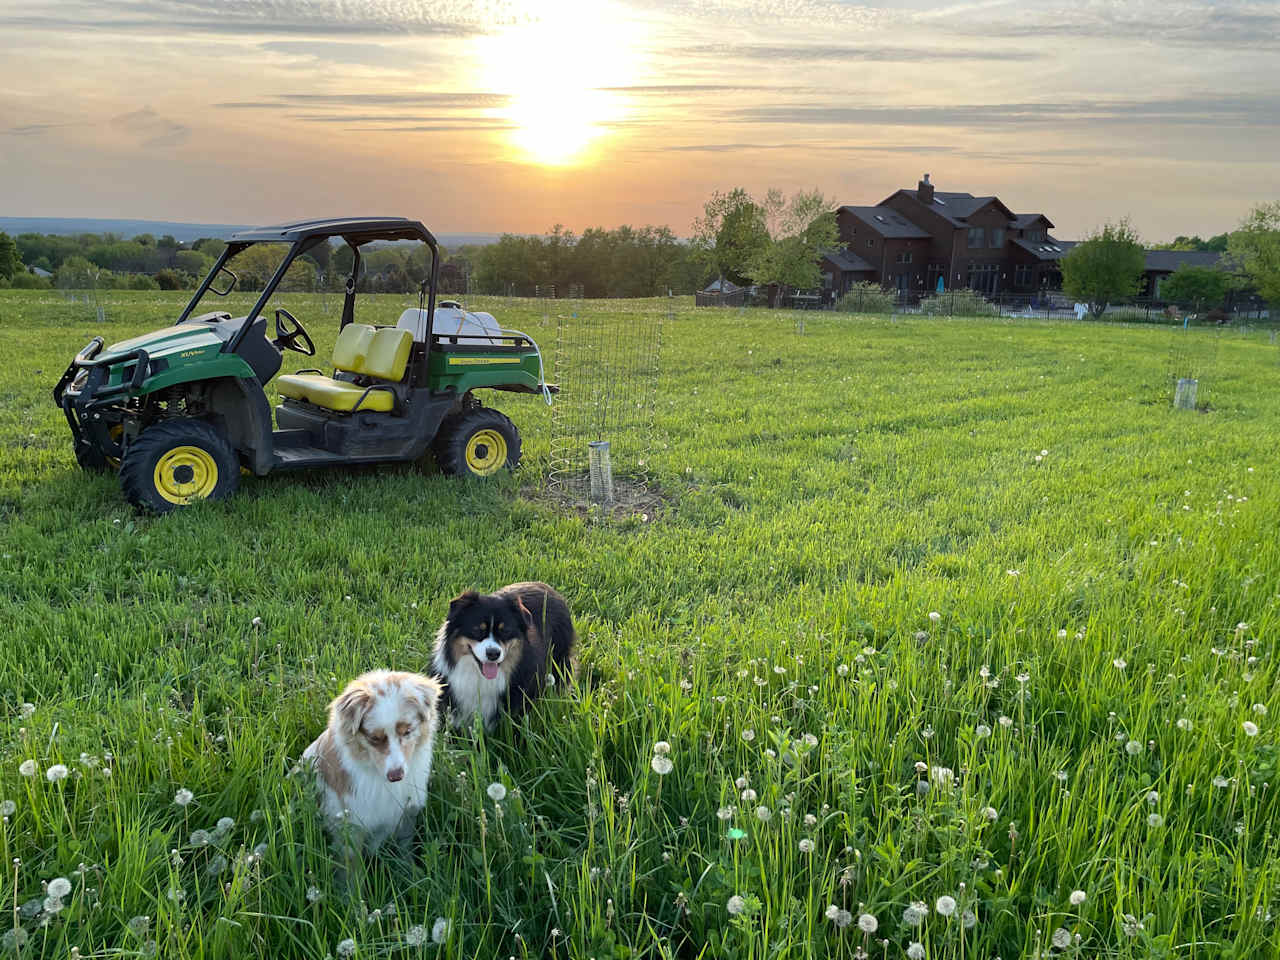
1207, 110
824, 53
151, 129
266, 17
437, 101
325, 51
670, 89
32, 129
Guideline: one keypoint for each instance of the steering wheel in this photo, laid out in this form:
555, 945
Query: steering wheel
287, 337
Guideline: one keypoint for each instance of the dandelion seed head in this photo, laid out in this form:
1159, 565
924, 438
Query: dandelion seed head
983, 731
497, 791
1061, 938
7, 808
764, 814
748, 735
183, 797
1250, 728
416, 936
935, 616
57, 772
867, 923
806, 845
1077, 897
661, 764
662, 748
991, 813
1155, 820
748, 795
945, 905
27, 768
345, 948
735, 905
440, 930
914, 914
915, 950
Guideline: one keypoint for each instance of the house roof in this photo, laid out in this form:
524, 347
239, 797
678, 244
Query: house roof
956, 207
1023, 220
1167, 261
848, 262
1047, 249
887, 222
722, 286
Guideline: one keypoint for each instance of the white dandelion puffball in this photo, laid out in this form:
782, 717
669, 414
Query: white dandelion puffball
440, 930
57, 772
934, 616
736, 905
1119, 664
915, 950
914, 915
59, 887
7, 808
346, 948
1133, 747
1250, 729
1061, 938
661, 764
748, 735
832, 912
867, 923
764, 814
725, 813
257, 621
27, 768
415, 936
748, 795
1155, 820
1184, 723
183, 797
201, 838
1153, 797
224, 825
497, 791
313, 894
1220, 782
991, 813
1005, 721
843, 918
662, 748
945, 906
1077, 897
942, 776
983, 731
842, 670
1260, 709
806, 845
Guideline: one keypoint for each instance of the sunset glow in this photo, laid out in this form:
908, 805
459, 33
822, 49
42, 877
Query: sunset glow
556, 70
492, 115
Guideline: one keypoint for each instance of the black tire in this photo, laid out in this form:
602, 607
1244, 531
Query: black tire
177, 462
90, 458
467, 443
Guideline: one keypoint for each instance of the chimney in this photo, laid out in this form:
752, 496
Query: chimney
924, 190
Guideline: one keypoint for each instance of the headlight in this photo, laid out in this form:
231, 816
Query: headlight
78, 383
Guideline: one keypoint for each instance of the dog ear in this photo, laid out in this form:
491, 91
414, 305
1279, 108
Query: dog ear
349, 707
429, 690
526, 618
461, 602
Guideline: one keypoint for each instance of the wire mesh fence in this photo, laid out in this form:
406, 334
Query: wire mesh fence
607, 366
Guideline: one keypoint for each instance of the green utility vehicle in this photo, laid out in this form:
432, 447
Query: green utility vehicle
181, 412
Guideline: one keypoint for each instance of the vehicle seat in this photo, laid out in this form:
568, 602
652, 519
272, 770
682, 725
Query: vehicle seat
378, 355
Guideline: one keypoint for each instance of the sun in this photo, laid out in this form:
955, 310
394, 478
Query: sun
557, 71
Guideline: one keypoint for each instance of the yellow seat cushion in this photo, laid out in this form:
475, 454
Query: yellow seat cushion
333, 394
361, 349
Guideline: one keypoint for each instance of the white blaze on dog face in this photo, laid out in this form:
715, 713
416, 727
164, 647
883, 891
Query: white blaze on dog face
487, 629
388, 719
488, 653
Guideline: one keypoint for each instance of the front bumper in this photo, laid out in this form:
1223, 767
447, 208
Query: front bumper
89, 404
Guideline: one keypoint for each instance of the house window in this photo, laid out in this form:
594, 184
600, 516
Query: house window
871, 243
975, 237
1022, 275
904, 257
997, 238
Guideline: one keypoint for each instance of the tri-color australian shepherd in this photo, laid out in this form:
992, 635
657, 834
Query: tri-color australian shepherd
494, 651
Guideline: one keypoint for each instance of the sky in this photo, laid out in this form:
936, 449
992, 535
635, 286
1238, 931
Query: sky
514, 115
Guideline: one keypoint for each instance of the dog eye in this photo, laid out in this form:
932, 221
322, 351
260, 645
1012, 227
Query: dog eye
499, 629
404, 729
377, 739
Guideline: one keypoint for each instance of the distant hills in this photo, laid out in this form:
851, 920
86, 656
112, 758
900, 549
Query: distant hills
182, 232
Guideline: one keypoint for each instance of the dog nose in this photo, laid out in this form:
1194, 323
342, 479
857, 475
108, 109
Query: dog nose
396, 775
493, 654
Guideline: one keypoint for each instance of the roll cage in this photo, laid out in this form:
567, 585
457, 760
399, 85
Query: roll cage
305, 235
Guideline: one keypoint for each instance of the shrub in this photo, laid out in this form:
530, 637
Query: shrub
957, 303
29, 281
866, 298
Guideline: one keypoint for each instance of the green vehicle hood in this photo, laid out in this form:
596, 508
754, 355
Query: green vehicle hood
167, 341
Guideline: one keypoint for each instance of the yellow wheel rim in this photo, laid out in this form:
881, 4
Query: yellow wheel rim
115, 433
185, 474
486, 452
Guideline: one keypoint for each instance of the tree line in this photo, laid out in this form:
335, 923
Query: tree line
1108, 266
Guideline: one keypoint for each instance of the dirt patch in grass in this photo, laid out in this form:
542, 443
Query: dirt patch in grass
634, 503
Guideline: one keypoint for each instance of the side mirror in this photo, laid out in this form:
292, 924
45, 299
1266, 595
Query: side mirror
231, 283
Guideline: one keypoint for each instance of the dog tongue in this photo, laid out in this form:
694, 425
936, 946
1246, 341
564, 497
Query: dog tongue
490, 670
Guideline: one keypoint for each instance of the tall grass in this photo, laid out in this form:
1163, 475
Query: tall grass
933, 612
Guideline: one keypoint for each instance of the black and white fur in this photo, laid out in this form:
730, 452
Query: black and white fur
494, 651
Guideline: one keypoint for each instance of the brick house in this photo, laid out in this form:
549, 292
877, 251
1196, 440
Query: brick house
919, 240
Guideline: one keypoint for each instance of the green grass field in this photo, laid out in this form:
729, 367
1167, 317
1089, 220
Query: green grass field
959, 613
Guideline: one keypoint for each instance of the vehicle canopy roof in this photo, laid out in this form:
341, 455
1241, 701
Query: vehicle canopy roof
358, 229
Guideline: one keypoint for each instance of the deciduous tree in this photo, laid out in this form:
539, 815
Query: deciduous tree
1256, 248
1105, 268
